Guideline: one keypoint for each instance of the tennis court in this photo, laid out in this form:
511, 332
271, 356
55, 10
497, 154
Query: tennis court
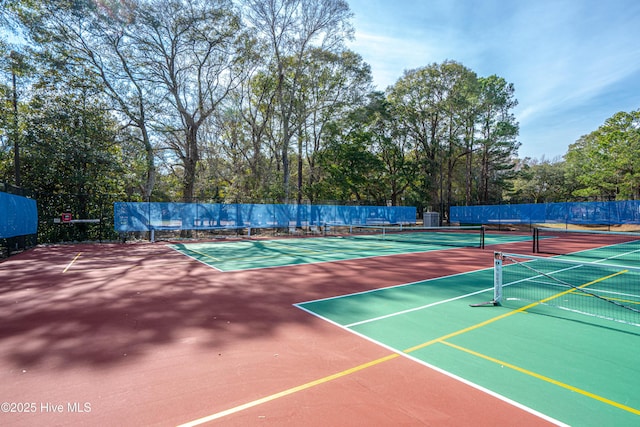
575, 369
332, 330
365, 242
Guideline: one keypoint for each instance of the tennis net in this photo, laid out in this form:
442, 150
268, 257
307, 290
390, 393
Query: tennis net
596, 289
610, 244
461, 236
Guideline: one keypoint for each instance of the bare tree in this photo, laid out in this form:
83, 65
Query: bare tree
194, 52
85, 38
290, 29
165, 64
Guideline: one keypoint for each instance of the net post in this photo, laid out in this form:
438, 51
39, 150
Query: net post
497, 282
482, 234
498, 257
536, 238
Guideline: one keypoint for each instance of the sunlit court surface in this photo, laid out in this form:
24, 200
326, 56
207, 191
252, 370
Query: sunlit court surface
323, 330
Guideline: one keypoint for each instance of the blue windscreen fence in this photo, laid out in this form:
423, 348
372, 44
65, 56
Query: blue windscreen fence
143, 216
18, 216
585, 213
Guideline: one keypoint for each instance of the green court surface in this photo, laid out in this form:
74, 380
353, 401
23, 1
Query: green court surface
262, 253
567, 367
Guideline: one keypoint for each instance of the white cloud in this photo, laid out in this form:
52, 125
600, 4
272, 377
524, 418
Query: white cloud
390, 56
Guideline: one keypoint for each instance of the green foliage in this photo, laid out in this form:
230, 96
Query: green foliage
540, 182
71, 158
350, 166
150, 100
460, 131
606, 163
73, 153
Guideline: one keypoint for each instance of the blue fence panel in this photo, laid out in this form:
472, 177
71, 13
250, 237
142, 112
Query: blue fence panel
18, 216
246, 216
537, 212
343, 215
228, 216
585, 213
290, 215
404, 215
166, 216
206, 216
467, 214
322, 214
128, 217
627, 211
141, 216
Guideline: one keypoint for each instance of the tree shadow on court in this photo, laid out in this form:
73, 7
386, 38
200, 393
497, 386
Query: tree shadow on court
117, 302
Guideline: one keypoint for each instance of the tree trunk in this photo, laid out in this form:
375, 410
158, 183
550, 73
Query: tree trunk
190, 164
299, 197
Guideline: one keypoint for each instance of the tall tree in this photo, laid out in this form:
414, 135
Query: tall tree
433, 105
166, 64
84, 36
498, 131
605, 162
459, 109
416, 99
351, 169
15, 70
333, 85
73, 157
194, 51
290, 29
247, 126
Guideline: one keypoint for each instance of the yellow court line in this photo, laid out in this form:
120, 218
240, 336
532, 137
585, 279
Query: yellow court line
543, 378
620, 300
510, 313
72, 261
380, 360
289, 391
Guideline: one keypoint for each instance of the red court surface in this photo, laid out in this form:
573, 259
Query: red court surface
138, 334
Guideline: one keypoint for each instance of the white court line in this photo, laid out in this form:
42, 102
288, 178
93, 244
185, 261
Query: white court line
194, 258
398, 313
406, 354
392, 287
417, 308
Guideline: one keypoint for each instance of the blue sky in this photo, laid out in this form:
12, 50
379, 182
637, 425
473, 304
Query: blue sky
574, 63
